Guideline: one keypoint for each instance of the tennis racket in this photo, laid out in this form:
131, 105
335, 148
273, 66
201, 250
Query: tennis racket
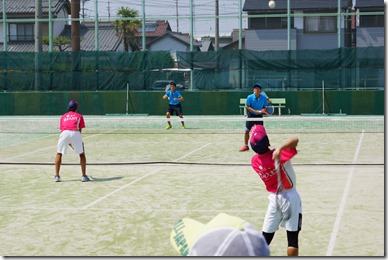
167, 88
270, 109
277, 169
280, 186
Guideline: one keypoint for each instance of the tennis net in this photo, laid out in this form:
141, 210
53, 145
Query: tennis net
324, 140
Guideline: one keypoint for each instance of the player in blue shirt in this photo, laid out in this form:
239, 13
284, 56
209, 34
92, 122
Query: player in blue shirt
174, 104
256, 105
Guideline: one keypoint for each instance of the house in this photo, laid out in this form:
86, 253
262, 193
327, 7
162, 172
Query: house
313, 31
173, 41
107, 37
206, 44
21, 34
154, 30
235, 40
222, 40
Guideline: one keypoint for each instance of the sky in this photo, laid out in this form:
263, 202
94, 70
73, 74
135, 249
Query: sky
204, 25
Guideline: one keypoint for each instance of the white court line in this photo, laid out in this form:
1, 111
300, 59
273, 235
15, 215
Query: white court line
334, 233
127, 209
140, 178
6, 146
50, 147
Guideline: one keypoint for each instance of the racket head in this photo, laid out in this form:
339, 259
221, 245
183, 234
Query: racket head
270, 110
167, 88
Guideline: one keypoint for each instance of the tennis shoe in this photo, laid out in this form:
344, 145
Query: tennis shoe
183, 127
244, 148
57, 178
168, 127
85, 178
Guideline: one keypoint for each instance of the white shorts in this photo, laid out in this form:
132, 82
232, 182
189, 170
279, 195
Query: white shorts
285, 210
68, 137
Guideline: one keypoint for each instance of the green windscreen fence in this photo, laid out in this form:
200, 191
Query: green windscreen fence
341, 68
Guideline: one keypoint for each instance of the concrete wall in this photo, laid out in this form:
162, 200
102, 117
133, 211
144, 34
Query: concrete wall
195, 103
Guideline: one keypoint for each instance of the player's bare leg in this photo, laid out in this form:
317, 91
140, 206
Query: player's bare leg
168, 121
183, 123
246, 139
292, 251
82, 160
58, 161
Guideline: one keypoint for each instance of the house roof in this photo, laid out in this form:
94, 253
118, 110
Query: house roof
178, 36
262, 6
27, 7
108, 40
155, 28
234, 45
22, 47
207, 45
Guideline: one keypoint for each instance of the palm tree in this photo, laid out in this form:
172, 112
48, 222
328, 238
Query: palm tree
128, 29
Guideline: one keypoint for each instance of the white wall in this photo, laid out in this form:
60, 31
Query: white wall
266, 40
58, 26
168, 44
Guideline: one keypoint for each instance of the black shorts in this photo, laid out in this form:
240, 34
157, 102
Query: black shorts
176, 108
249, 124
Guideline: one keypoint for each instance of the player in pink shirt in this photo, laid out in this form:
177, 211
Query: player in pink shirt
71, 125
285, 206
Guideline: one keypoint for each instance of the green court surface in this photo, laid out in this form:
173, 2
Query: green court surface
145, 178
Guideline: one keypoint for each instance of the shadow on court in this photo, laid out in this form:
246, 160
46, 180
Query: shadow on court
93, 179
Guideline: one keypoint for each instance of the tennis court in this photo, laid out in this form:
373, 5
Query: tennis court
145, 178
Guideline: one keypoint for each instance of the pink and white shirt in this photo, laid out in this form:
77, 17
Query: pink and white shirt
71, 121
264, 166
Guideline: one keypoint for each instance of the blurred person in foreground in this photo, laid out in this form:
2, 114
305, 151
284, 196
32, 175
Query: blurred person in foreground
71, 125
174, 105
285, 205
256, 105
224, 235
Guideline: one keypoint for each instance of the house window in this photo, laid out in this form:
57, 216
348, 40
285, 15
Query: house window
270, 23
149, 27
21, 32
372, 21
320, 24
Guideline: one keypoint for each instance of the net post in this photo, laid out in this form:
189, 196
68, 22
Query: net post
126, 105
323, 97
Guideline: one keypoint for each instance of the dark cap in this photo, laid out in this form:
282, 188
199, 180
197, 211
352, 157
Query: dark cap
72, 106
257, 85
259, 140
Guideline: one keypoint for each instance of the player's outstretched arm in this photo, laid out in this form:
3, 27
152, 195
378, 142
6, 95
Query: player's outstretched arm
291, 143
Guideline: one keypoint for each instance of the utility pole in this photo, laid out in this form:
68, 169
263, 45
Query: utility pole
177, 20
348, 34
83, 7
75, 42
217, 32
38, 42
108, 10
75, 27
353, 27
38, 31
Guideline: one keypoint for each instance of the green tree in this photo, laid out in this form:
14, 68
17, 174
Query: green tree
128, 29
62, 43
